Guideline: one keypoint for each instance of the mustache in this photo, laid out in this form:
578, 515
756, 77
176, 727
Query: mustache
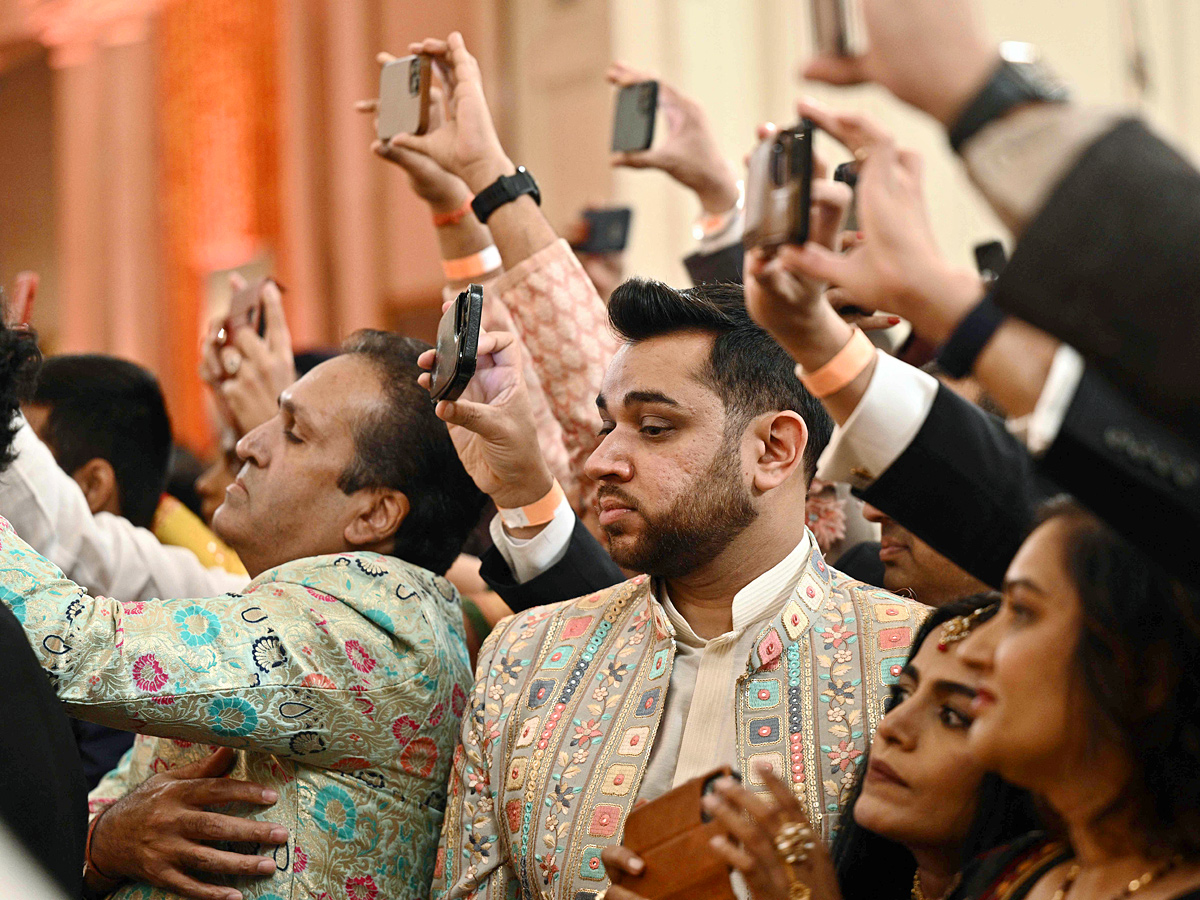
606, 491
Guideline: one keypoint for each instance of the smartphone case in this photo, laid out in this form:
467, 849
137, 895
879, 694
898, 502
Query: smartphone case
457, 345
671, 836
779, 189
607, 230
244, 309
633, 122
404, 97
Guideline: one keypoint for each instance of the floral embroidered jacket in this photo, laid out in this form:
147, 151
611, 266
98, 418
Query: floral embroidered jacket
567, 704
341, 679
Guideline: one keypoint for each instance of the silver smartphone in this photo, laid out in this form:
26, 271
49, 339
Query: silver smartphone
404, 97
838, 28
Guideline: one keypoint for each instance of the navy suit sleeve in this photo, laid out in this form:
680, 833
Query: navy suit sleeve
584, 569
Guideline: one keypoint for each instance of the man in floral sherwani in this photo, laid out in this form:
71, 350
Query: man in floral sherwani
740, 646
339, 673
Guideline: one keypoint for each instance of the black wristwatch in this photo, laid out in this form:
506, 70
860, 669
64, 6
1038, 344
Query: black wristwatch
505, 189
1011, 84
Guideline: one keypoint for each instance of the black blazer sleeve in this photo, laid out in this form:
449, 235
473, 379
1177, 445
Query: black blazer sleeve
723, 266
1132, 472
1109, 266
965, 486
584, 569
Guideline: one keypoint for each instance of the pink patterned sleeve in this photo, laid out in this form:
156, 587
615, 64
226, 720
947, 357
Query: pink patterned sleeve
564, 325
549, 433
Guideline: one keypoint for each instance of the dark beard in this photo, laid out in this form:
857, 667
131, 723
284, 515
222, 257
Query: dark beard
701, 524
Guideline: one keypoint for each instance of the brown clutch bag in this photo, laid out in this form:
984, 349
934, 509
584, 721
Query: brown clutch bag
671, 836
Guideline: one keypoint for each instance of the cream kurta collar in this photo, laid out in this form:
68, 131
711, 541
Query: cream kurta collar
753, 604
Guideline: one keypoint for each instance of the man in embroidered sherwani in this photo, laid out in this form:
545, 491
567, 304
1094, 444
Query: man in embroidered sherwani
338, 673
740, 645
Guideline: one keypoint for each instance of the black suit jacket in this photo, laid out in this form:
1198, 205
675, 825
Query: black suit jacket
43, 798
1110, 266
969, 489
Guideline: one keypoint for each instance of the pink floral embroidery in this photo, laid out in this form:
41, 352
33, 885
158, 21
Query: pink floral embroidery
458, 700
843, 755
148, 674
317, 680
301, 862
771, 648
419, 757
133, 609
358, 656
437, 713
405, 729
361, 888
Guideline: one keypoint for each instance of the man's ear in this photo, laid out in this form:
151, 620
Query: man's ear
98, 482
780, 439
378, 519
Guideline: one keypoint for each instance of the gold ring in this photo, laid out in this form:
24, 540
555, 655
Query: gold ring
793, 842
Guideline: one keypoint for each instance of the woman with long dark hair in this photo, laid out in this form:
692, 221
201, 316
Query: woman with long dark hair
920, 805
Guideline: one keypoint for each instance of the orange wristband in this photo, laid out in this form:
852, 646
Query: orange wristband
466, 268
87, 847
538, 513
846, 365
453, 218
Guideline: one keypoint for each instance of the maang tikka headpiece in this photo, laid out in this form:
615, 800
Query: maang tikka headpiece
954, 630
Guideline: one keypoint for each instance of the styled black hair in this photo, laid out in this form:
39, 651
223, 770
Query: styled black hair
1138, 659
871, 867
749, 371
20, 360
405, 447
101, 407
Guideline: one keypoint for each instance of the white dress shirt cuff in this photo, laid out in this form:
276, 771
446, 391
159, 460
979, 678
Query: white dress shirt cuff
1040, 428
529, 558
891, 412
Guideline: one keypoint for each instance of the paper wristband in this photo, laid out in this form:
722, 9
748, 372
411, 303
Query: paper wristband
846, 365
466, 268
538, 513
453, 218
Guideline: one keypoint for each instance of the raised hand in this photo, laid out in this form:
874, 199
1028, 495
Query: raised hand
492, 425
689, 153
160, 832
465, 142
897, 267
932, 54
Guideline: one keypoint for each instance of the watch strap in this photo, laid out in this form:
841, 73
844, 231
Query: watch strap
957, 356
505, 189
1011, 84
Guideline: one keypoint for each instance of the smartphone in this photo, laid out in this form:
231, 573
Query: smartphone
990, 259
607, 230
457, 345
779, 188
245, 309
671, 835
838, 28
404, 97
633, 123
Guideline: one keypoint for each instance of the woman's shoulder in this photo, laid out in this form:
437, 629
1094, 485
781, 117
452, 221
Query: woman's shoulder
1009, 871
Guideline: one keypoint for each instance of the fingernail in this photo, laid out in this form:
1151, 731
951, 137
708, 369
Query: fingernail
709, 802
266, 866
636, 865
270, 796
893, 320
279, 835
234, 895
862, 235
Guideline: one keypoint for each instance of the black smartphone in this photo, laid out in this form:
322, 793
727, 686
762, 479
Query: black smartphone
457, 345
245, 309
607, 230
779, 188
633, 123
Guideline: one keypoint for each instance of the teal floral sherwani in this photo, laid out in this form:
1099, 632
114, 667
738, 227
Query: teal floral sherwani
569, 698
340, 679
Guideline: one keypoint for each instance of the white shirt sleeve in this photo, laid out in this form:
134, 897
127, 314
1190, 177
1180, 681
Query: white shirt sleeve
530, 557
1040, 428
891, 412
104, 553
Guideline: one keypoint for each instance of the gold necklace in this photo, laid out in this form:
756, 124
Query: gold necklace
1130, 889
918, 893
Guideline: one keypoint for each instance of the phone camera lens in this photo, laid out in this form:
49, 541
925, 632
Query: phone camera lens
414, 77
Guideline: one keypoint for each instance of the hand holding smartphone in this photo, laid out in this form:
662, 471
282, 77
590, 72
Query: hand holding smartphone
779, 189
245, 310
607, 230
404, 97
457, 345
633, 122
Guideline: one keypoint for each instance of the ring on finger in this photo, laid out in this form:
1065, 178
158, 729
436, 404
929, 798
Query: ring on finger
231, 362
793, 842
